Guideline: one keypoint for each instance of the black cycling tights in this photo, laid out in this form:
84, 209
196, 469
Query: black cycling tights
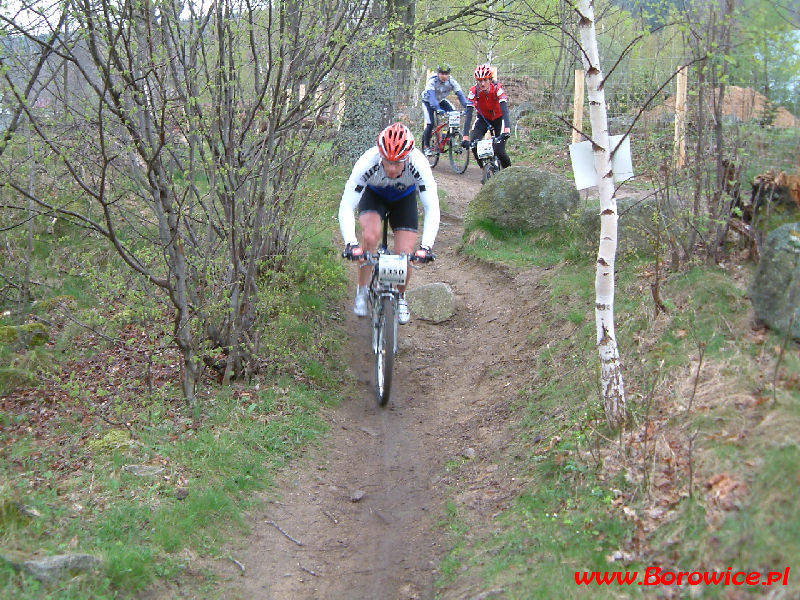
480, 129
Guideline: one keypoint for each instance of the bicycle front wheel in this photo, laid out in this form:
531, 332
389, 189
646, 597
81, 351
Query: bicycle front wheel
489, 170
384, 357
459, 157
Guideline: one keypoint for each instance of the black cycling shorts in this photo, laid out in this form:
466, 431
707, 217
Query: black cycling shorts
403, 214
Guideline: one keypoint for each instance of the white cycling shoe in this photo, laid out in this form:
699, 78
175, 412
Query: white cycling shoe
403, 314
361, 306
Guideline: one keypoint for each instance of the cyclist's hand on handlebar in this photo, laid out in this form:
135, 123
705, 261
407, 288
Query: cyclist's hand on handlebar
353, 252
440, 111
424, 254
465, 143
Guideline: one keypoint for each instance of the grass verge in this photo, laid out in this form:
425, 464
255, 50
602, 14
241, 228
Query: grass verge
102, 456
699, 481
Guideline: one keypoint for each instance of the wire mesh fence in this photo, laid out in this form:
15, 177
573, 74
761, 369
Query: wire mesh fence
641, 100
757, 135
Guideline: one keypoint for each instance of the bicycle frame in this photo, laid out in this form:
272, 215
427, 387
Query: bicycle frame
485, 152
446, 139
389, 272
452, 124
381, 287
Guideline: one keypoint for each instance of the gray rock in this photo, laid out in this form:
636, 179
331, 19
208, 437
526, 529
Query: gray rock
523, 199
775, 289
13, 558
143, 470
469, 453
53, 568
432, 302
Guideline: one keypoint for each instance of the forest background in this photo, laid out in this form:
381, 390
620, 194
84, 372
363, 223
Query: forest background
161, 199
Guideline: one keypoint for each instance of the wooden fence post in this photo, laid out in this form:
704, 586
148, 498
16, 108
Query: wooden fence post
679, 149
577, 107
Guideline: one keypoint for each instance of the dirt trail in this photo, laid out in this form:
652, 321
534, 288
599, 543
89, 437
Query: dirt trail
357, 519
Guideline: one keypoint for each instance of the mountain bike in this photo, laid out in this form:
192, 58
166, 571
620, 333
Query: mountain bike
388, 272
485, 152
446, 138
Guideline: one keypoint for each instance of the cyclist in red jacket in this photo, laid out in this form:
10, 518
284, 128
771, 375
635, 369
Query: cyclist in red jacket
491, 104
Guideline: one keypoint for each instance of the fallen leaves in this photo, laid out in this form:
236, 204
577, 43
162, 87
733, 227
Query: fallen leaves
725, 491
725, 494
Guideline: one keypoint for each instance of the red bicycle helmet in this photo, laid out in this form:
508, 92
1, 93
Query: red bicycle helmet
483, 72
395, 142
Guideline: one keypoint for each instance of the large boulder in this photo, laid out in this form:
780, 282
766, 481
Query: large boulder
432, 302
27, 335
775, 289
635, 226
523, 199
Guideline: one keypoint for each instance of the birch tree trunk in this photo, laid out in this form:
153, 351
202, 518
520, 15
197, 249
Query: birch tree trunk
611, 371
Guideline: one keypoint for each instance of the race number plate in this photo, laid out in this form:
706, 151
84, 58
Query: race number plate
454, 118
392, 268
485, 149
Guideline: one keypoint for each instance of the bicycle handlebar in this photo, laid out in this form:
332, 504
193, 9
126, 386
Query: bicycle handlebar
371, 258
497, 139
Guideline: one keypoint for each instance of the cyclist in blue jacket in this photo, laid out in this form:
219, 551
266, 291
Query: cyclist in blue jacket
434, 99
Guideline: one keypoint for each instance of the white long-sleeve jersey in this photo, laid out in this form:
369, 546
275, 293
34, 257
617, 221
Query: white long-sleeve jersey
368, 172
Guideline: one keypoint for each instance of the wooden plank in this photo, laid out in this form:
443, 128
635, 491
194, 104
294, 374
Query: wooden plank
679, 149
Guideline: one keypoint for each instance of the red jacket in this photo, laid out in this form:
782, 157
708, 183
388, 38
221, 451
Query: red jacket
488, 104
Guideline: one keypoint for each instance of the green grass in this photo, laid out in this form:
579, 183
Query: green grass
517, 249
569, 515
137, 522
77, 472
452, 525
562, 524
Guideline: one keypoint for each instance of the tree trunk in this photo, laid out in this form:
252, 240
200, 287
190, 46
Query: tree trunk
176, 100
700, 125
402, 13
611, 371
722, 202
26, 294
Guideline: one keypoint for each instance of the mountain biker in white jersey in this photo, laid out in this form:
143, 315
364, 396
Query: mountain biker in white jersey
434, 99
389, 176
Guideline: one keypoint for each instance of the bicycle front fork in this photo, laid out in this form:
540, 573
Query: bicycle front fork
377, 315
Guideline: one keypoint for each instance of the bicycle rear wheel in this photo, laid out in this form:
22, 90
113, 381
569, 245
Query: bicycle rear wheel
459, 157
384, 357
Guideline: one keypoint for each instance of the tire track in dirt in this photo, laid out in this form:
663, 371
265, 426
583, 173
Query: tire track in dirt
365, 504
